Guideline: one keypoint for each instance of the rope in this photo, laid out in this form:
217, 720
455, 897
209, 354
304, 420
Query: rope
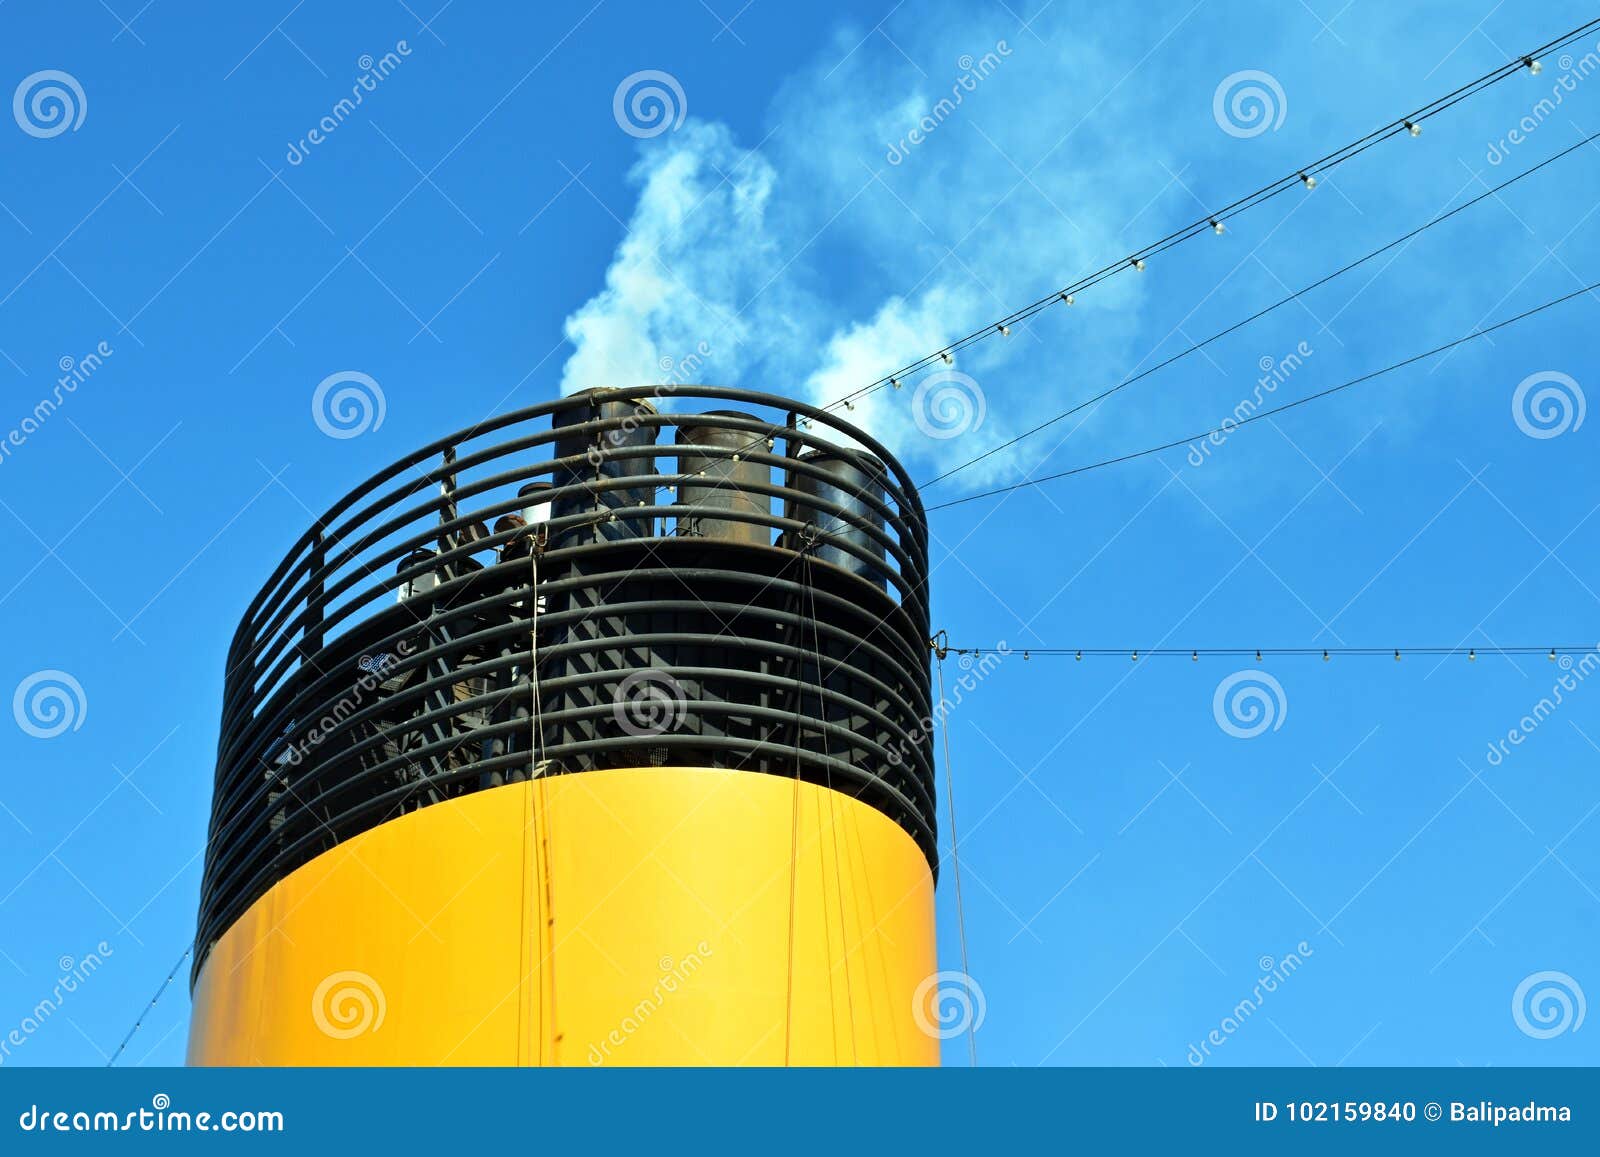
941, 650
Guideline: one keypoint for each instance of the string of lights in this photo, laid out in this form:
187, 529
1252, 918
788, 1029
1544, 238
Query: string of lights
1215, 221
139, 1023
1261, 654
1403, 239
1235, 425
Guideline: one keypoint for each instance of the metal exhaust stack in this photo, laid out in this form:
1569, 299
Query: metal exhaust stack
483, 794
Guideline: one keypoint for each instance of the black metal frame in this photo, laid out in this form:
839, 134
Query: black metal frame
800, 649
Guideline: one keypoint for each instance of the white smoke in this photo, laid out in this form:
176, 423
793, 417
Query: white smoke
696, 241
815, 266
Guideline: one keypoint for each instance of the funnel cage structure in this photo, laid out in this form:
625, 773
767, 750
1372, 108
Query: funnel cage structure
596, 582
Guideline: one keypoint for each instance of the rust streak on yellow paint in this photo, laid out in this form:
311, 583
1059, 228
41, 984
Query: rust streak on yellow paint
660, 896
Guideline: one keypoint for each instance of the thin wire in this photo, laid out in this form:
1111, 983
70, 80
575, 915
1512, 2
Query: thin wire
1259, 314
794, 846
1260, 414
139, 1023
537, 737
1265, 193
1227, 213
542, 810
1268, 652
955, 857
833, 825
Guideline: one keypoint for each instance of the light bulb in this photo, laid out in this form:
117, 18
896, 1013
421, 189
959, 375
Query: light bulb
1324, 656
895, 382
1397, 656
1534, 66
1413, 128
948, 360
1194, 656
1138, 263
849, 405
1472, 655
1079, 656
1135, 656
1068, 298
1308, 180
1552, 649
1005, 330
1218, 228
1258, 656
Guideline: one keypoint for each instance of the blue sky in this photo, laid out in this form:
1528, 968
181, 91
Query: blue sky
479, 233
